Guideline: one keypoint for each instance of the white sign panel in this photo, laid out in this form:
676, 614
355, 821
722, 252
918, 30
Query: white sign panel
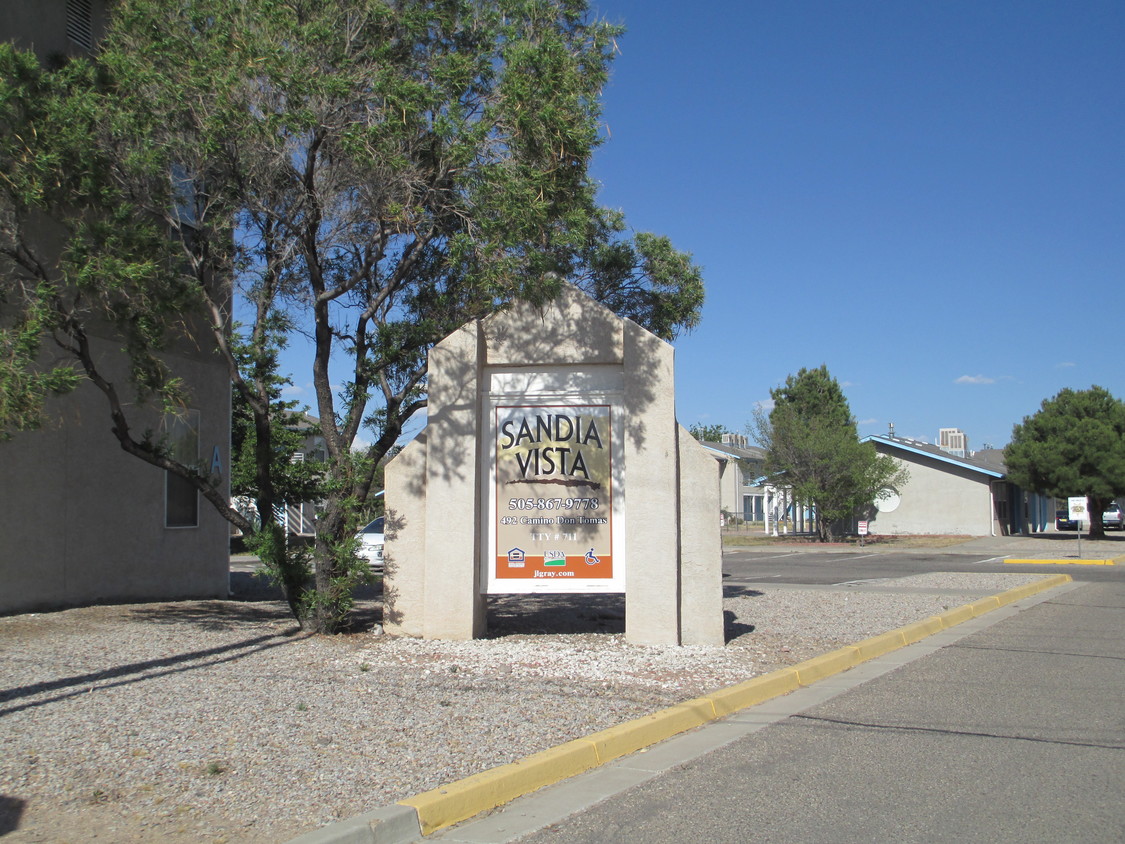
554, 488
1079, 511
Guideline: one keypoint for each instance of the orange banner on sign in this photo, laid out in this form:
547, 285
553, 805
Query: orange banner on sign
536, 566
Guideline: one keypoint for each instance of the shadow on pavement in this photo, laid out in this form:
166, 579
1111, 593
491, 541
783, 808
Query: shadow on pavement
11, 810
135, 672
512, 615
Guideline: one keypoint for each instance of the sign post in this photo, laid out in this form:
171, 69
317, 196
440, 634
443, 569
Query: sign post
862, 531
1079, 510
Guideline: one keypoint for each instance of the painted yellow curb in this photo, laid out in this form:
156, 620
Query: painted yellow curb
985, 605
1018, 593
955, 616
920, 630
448, 804
825, 665
1063, 562
752, 692
876, 646
460, 800
631, 736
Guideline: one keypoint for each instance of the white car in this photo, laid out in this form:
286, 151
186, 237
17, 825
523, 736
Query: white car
1112, 517
371, 543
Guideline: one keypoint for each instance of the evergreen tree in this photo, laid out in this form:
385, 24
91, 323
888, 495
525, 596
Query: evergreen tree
813, 448
1074, 445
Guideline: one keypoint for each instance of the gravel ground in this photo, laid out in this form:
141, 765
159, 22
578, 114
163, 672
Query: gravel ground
220, 721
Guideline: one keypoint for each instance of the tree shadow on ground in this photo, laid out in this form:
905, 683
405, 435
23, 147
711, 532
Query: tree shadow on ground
214, 615
512, 615
732, 629
49, 691
254, 600
741, 592
11, 810
253, 597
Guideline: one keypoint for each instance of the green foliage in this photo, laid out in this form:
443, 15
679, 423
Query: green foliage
362, 175
102, 264
1074, 445
709, 433
812, 444
263, 467
23, 384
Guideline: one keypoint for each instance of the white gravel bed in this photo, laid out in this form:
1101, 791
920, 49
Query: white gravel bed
220, 721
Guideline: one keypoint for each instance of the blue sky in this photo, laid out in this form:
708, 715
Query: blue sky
927, 197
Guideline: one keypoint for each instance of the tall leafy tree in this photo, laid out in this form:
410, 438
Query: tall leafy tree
1074, 445
361, 175
75, 251
813, 447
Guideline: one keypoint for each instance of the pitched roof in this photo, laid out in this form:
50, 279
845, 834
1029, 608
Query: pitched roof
748, 453
989, 463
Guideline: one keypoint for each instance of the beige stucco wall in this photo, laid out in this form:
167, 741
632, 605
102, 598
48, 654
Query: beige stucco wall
701, 604
404, 585
82, 522
939, 498
40, 25
730, 486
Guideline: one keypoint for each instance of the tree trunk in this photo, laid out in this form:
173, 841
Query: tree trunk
287, 572
329, 605
1096, 507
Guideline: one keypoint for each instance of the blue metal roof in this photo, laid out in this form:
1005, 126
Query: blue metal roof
935, 453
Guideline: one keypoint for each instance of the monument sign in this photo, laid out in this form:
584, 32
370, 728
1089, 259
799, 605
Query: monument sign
582, 481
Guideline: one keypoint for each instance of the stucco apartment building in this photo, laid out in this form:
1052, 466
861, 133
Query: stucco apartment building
81, 521
948, 493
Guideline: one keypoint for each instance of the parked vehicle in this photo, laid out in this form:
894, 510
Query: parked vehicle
1112, 517
1063, 521
371, 543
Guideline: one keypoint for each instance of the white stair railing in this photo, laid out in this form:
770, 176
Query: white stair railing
292, 517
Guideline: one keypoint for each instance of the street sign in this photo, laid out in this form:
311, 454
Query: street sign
1079, 512
863, 528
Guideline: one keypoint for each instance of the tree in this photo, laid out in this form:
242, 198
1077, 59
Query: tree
1074, 445
709, 433
811, 443
75, 250
362, 175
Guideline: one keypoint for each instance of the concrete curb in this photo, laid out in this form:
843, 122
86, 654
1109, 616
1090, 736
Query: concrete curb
385, 825
426, 813
1063, 562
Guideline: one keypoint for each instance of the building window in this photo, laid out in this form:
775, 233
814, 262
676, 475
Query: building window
181, 499
80, 23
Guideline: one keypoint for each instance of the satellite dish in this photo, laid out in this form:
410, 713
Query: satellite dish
887, 500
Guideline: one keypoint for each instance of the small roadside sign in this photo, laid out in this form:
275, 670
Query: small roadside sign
1079, 511
863, 528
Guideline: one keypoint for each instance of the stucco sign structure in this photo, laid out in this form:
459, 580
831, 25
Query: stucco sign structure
552, 463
